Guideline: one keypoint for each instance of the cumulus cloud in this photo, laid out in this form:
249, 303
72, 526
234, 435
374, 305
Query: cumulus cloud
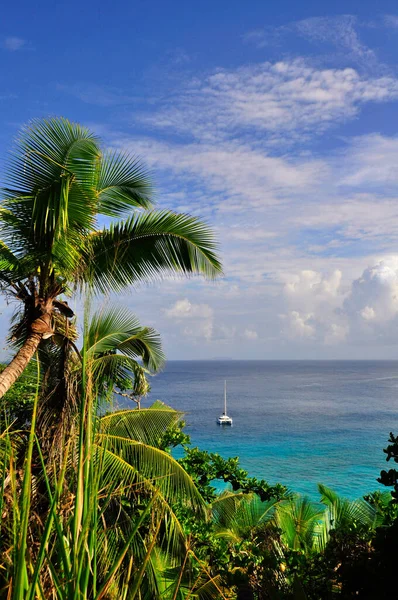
197, 319
297, 325
367, 313
335, 333
198, 322
184, 309
311, 299
311, 288
199, 329
373, 298
365, 310
250, 334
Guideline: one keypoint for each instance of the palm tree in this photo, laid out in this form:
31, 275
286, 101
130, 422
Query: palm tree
290, 532
128, 472
59, 182
247, 525
121, 353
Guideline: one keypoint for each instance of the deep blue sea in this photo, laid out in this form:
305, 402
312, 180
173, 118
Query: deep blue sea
295, 422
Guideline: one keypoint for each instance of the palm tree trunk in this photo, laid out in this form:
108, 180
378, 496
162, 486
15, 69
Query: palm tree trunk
19, 362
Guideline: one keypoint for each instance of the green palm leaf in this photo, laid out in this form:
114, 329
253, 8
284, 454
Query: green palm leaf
58, 182
11, 268
238, 515
122, 184
118, 330
298, 519
344, 512
130, 462
47, 149
147, 425
149, 246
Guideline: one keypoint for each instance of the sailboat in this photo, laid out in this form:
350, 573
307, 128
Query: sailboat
224, 419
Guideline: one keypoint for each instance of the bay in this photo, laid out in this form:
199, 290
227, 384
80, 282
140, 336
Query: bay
295, 422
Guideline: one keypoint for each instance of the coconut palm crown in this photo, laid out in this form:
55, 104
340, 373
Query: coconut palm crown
59, 181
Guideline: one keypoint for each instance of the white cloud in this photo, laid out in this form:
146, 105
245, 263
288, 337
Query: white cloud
234, 173
310, 288
367, 313
184, 309
224, 333
199, 329
197, 319
372, 162
250, 234
299, 224
288, 96
311, 299
373, 297
250, 334
391, 21
298, 325
335, 334
276, 217
321, 310
13, 43
341, 32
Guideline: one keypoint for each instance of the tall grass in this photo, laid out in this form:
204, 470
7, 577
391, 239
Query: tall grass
53, 513
90, 520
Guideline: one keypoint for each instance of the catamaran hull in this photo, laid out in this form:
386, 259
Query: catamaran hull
224, 422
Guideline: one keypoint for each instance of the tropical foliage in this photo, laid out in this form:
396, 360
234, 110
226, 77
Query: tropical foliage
60, 185
88, 497
94, 504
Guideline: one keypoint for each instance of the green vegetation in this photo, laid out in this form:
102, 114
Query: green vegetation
59, 182
94, 505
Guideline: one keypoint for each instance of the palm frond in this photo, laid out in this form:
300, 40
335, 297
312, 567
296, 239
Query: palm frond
49, 196
10, 267
115, 372
149, 246
118, 330
298, 518
237, 515
225, 506
129, 462
147, 425
122, 184
343, 511
47, 149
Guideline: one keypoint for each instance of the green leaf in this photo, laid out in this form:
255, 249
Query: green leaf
146, 425
118, 330
123, 184
148, 247
130, 462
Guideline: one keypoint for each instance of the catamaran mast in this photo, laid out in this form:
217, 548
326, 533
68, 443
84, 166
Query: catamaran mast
225, 397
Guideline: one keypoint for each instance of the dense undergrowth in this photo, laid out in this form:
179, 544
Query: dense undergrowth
129, 521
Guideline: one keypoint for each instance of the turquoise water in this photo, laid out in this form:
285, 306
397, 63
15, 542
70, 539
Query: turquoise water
295, 422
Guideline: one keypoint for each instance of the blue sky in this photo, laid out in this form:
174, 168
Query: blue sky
276, 122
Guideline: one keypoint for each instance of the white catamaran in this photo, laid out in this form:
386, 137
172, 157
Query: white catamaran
224, 419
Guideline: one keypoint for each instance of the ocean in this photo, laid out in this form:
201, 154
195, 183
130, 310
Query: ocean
295, 422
